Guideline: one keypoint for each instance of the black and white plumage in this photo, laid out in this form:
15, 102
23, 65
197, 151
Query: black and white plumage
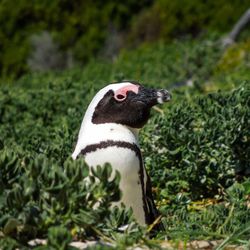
109, 133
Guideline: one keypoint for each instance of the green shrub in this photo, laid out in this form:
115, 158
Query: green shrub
80, 28
168, 65
167, 19
200, 146
210, 218
234, 57
79, 31
37, 194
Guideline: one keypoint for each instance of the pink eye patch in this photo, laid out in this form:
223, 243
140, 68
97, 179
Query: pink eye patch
121, 94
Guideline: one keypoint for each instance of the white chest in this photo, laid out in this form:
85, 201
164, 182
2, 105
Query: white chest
127, 163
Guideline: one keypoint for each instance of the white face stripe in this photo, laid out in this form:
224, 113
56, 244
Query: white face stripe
125, 89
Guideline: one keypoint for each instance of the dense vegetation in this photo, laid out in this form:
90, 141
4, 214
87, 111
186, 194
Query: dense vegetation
42, 35
196, 149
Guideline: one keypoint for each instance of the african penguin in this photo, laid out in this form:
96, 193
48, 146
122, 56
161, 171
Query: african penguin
109, 133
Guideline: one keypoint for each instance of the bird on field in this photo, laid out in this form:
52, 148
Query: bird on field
109, 134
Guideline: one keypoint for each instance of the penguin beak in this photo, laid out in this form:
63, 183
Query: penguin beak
163, 96
152, 97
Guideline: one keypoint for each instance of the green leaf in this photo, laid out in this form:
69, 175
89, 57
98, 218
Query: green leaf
11, 226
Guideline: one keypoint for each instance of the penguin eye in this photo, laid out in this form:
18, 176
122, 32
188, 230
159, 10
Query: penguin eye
121, 94
120, 97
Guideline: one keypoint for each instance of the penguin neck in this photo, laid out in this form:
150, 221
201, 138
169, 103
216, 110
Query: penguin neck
111, 131
96, 133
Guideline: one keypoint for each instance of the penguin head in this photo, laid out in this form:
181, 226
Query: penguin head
126, 103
